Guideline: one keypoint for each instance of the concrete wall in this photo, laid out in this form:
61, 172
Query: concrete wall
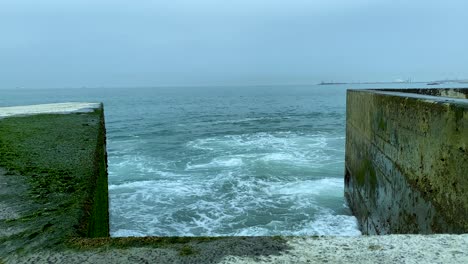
53, 176
407, 160
99, 199
457, 93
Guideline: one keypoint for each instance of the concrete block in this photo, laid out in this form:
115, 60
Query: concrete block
407, 160
53, 175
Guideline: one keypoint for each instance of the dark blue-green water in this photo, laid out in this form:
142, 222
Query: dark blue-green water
201, 161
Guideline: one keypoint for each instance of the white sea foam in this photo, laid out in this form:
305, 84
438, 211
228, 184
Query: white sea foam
245, 120
280, 157
285, 147
324, 225
211, 217
217, 162
335, 225
249, 184
327, 186
126, 233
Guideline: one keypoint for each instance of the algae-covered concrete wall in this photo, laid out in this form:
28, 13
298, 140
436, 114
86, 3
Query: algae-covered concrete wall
459, 93
53, 176
407, 160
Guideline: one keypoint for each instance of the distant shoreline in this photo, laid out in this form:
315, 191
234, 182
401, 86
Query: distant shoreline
395, 82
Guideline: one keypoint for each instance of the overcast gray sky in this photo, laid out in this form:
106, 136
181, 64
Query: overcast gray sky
76, 43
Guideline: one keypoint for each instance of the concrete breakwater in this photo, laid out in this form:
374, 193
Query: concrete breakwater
53, 173
54, 208
407, 160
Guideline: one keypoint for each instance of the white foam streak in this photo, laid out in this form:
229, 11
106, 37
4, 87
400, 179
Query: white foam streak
217, 162
327, 186
126, 233
335, 225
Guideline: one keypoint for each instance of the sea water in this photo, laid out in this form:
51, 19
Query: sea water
221, 161
230, 161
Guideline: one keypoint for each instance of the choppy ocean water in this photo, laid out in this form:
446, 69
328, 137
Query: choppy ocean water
220, 161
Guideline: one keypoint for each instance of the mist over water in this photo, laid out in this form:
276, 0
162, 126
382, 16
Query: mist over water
221, 161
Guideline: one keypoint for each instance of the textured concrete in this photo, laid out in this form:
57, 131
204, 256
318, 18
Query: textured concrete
59, 108
53, 176
455, 93
366, 249
407, 160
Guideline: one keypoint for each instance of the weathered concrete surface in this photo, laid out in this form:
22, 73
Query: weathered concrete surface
457, 93
407, 161
59, 108
53, 176
365, 249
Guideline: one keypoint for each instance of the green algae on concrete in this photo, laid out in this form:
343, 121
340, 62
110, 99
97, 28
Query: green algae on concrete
406, 160
54, 176
158, 250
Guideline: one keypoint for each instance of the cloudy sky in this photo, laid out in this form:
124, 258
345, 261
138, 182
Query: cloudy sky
121, 43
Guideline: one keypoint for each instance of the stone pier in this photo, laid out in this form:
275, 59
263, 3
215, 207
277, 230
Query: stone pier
407, 160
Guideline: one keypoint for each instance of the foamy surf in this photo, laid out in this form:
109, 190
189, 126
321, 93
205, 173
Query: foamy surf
229, 166
250, 184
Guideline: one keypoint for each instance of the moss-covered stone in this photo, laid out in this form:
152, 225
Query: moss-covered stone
128, 242
54, 166
366, 174
406, 160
